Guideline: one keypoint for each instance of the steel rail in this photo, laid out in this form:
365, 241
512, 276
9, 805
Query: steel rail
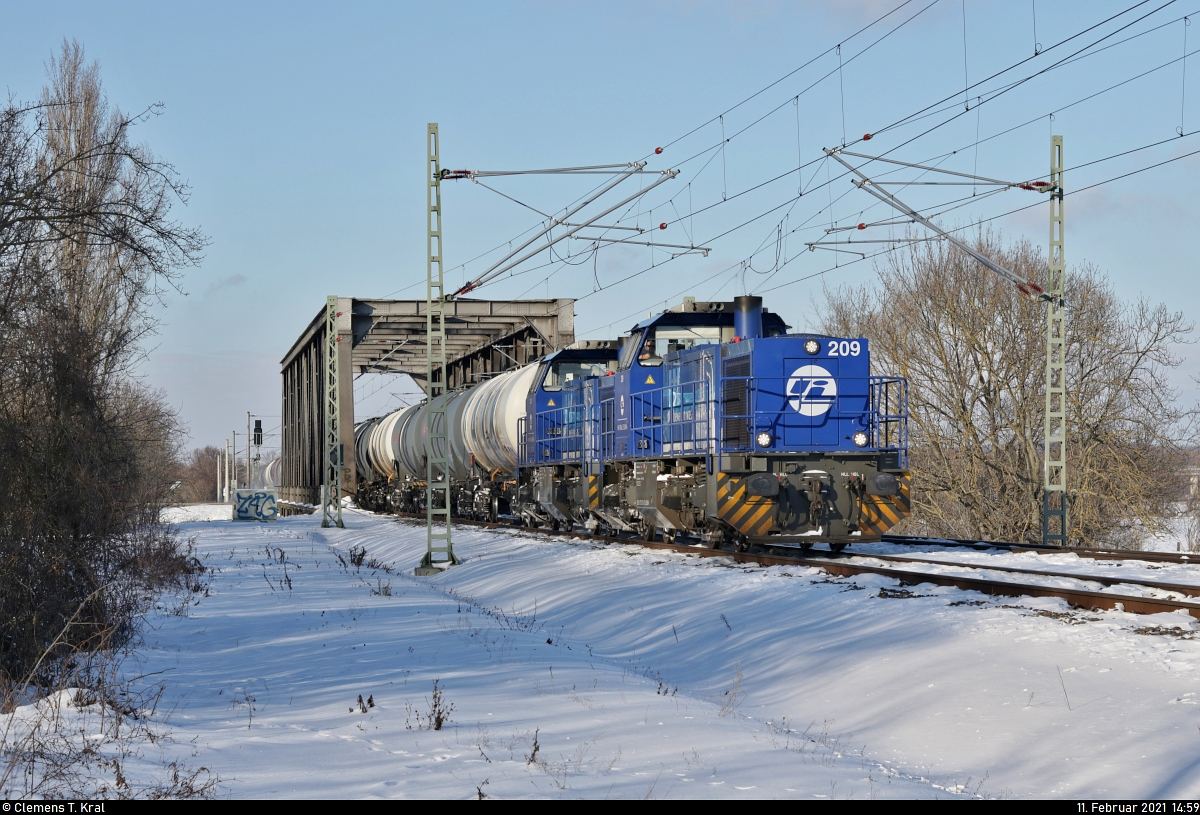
1113, 554
843, 568
1179, 588
1099, 554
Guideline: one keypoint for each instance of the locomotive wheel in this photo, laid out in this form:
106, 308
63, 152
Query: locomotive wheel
836, 547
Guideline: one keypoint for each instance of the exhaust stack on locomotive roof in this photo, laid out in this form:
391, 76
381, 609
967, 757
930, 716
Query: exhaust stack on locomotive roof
747, 317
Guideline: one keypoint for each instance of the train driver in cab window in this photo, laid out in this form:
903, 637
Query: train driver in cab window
647, 355
664, 340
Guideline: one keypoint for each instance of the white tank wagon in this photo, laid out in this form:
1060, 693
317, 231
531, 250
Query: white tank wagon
408, 440
491, 416
375, 444
265, 476
363, 430
481, 429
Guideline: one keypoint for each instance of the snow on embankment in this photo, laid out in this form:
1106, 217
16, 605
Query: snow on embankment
196, 512
585, 671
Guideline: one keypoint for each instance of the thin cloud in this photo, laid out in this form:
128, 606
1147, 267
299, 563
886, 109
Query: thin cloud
226, 283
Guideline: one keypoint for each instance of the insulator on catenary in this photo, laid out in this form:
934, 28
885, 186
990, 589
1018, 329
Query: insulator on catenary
657, 151
866, 137
663, 225
862, 226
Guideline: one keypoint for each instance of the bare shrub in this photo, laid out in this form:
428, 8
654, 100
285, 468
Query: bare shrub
86, 734
732, 698
87, 453
440, 709
973, 350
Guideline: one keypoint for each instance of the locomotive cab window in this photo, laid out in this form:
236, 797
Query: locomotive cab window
630, 350
570, 370
665, 339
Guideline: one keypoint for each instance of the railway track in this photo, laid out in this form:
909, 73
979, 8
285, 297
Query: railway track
1097, 554
848, 565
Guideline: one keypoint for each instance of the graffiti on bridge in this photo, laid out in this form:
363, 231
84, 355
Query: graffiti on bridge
255, 505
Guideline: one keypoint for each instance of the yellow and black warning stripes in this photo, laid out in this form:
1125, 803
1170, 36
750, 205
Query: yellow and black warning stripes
593, 488
881, 512
748, 514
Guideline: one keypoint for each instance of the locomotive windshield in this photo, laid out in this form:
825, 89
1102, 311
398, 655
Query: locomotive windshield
568, 370
630, 350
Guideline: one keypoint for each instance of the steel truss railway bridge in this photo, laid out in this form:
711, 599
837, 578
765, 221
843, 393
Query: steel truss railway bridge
350, 337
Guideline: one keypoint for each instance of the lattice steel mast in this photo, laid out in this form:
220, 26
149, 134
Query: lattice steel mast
1054, 467
437, 447
331, 489
1054, 483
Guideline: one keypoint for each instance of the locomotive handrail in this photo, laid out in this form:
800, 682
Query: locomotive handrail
707, 418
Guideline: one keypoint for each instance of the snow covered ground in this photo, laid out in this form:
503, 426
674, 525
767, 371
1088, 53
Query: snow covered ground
578, 670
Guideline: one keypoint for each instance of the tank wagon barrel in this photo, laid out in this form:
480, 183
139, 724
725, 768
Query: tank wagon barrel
265, 476
492, 415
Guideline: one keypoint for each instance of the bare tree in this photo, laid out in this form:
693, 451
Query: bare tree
87, 453
973, 350
199, 475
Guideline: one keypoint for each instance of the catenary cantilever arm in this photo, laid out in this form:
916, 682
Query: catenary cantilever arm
1027, 287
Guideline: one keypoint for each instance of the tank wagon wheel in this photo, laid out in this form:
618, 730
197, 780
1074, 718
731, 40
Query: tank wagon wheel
836, 547
668, 536
647, 532
494, 509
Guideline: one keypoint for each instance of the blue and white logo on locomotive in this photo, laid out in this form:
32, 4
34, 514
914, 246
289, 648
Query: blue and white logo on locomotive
811, 390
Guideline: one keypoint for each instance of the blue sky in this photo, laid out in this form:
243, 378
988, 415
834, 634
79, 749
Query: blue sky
301, 129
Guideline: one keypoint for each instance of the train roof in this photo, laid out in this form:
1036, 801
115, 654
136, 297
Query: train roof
692, 312
586, 349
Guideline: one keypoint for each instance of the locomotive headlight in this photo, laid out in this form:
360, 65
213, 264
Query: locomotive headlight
812, 347
764, 439
860, 438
